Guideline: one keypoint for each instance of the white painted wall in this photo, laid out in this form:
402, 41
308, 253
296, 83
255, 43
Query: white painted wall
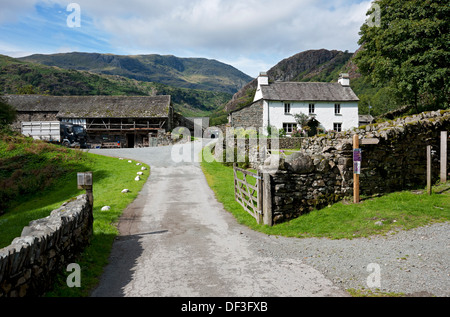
324, 113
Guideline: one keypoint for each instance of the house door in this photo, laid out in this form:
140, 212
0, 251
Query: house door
130, 140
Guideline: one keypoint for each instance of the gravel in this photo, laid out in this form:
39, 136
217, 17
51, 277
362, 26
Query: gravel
414, 262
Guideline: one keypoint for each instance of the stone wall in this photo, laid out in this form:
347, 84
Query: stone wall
322, 173
248, 117
29, 266
26, 116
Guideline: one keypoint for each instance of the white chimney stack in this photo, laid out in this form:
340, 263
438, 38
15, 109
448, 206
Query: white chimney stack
344, 79
263, 80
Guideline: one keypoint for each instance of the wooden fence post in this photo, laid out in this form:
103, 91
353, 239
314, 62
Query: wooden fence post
429, 169
267, 200
260, 195
443, 156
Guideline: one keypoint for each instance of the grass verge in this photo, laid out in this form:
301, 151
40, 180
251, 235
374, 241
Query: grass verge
344, 220
110, 175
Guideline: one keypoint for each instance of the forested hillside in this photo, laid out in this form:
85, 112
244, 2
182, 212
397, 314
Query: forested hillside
193, 73
19, 77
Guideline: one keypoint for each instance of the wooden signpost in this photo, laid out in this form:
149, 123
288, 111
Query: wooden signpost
429, 169
84, 181
444, 139
356, 168
357, 160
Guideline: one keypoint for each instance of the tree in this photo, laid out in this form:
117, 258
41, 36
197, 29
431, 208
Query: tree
301, 119
7, 113
408, 49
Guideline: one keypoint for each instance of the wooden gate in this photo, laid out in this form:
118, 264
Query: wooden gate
247, 194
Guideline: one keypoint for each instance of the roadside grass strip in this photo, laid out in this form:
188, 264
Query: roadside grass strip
344, 220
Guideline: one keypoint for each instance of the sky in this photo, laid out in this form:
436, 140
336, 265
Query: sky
251, 35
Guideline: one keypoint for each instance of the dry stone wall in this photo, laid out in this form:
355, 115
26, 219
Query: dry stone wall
322, 172
29, 266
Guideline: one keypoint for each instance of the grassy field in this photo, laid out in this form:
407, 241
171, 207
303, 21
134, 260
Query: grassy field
397, 211
41, 192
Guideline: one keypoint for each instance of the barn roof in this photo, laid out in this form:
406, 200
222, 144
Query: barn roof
307, 91
94, 106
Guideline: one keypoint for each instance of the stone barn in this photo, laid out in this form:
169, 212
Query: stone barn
110, 121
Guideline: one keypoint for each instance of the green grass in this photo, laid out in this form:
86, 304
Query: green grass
398, 211
110, 176
286, 152
373, 293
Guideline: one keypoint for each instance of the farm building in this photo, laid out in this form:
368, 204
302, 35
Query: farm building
333, 105
110, 121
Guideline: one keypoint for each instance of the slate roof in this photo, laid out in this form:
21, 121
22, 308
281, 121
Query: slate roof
307, 91
94, 106
205, 121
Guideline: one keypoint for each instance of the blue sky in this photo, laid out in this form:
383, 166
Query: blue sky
251, 35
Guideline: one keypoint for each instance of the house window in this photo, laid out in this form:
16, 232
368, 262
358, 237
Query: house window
337, 127
287, 108
312, 108
337, 108
289, 127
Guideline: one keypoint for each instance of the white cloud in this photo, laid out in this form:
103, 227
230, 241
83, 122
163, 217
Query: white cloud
242, 31
11, 10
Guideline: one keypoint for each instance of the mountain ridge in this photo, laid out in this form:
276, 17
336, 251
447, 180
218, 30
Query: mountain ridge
182, 72
312, 65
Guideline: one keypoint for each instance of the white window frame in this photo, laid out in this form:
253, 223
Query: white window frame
289, 127
337, 108
312, 108
337, 126
287, 108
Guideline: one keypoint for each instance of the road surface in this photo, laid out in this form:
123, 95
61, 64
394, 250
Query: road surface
177, 240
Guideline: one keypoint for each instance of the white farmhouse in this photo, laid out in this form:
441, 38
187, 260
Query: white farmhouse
333, 105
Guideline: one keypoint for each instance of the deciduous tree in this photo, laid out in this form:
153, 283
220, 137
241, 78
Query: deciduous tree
408, 49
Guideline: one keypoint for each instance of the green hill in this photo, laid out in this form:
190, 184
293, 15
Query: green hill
18, 76
320, 66
311, 65
193, 73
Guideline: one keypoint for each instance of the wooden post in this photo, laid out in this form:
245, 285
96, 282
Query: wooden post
259, 194
355, 175
267, 200
85, 181
443, 156
429, 169
234, 180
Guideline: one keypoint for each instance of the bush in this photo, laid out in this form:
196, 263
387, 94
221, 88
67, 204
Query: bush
8, 113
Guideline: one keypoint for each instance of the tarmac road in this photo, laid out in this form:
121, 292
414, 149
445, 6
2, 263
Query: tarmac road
176, 240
